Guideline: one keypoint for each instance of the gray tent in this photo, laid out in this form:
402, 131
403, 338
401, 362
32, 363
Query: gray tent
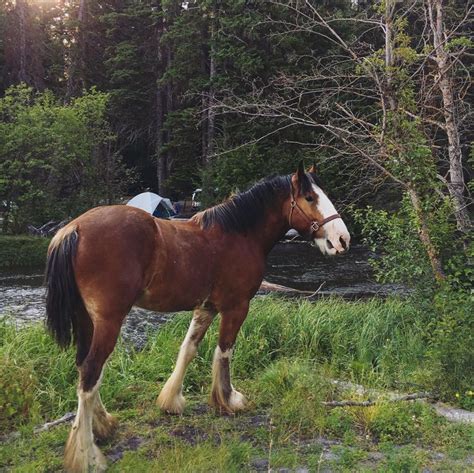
154, 204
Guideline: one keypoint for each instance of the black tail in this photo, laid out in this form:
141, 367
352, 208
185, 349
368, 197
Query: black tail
62, 296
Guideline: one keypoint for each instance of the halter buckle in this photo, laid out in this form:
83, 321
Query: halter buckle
315, 226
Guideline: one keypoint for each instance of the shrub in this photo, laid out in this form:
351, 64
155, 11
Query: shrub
17, 400
397, 422
23, 250
451, 342
55, 159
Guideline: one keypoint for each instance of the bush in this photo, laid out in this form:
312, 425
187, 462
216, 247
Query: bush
451, 342
17, 399
397, 422
23, 250
395, 237
56, 160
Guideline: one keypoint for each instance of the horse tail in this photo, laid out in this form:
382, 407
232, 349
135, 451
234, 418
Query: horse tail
63, 300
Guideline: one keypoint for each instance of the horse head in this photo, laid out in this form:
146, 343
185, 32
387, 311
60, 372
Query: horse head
314, 216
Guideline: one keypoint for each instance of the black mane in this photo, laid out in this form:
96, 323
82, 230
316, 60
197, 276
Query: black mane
243, 211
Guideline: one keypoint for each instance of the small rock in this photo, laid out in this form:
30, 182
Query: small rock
375, 456
261, 464
328, 455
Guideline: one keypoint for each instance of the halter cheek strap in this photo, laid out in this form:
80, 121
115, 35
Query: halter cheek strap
314, 225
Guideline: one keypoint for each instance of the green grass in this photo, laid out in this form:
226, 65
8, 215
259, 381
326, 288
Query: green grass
286, 354
22, 251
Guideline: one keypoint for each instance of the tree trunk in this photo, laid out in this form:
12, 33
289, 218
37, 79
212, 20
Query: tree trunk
75, 69
169, 109
161, 164
423, 230
425, 238
211, 114
21, 9
446, 86
208, 102
23, 46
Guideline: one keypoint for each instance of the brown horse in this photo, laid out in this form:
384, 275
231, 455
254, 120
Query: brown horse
111, 258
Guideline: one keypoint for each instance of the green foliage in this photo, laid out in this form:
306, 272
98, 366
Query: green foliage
394, 235
294, 390
450, 351
402, 460
398, 423
55, 159
22, 251
17, 394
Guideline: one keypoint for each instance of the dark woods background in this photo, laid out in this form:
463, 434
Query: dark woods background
103, 99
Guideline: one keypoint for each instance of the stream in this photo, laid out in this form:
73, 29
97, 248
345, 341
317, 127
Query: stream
297, 265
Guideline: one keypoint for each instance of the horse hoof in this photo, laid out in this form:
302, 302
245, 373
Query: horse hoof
235, 402
104, 426
171, 404
78, 459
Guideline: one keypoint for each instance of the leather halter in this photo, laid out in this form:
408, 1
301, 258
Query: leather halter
314, 225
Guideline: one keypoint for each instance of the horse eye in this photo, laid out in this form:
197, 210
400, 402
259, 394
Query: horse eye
309, 198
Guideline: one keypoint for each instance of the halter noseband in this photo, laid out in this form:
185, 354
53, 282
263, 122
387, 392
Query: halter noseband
314, 225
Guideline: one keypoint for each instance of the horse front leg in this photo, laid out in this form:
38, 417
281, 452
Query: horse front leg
171, 399
223, 395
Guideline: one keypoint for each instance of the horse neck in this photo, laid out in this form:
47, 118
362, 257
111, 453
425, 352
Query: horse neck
273, 226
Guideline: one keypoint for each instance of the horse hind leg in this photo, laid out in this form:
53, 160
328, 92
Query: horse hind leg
81, 453
171, 398
223, 395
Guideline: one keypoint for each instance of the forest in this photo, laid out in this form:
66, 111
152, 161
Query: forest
101, 100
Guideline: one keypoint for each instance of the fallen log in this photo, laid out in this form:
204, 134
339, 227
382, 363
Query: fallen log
368, 403
48, 425
272, 287
451, 414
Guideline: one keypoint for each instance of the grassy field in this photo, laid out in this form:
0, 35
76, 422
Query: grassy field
287, 354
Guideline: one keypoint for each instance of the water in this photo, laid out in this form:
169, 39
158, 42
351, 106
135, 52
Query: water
302, 266
22, 299
297, 265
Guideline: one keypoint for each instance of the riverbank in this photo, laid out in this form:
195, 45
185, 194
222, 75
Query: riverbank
22, 251
286, 356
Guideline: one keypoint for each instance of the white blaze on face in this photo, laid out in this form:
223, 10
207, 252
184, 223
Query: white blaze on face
335, 230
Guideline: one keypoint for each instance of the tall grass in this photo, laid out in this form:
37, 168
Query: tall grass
378, 342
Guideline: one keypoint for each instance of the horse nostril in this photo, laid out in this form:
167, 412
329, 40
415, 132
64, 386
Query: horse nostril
329, 244
343, 242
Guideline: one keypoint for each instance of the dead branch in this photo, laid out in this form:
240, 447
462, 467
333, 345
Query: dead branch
368, 403
69, 416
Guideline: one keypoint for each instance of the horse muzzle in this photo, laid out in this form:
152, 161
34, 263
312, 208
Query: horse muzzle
336, 239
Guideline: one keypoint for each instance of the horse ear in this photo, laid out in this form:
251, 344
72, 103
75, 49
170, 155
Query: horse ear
300, 172
299, 179
312, 169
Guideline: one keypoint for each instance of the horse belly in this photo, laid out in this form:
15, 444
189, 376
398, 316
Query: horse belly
180, 287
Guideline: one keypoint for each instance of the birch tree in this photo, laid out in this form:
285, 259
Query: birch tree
447, 66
